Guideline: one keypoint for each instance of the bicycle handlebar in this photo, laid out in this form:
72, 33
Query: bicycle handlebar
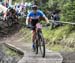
30, 26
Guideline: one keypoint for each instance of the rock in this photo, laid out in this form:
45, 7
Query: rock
68, 57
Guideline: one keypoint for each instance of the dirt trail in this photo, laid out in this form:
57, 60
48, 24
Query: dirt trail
24, 44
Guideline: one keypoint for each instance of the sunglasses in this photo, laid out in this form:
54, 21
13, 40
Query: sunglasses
34, 8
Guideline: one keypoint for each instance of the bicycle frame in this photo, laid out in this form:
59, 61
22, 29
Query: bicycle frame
39, 39
38, 30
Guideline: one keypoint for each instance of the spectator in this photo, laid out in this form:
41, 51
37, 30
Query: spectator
55, 17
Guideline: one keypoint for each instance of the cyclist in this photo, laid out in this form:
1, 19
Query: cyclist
33, 17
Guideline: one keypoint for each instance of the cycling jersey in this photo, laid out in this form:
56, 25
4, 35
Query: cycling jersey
33, 15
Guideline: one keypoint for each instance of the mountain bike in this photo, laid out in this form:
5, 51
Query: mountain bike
39, 41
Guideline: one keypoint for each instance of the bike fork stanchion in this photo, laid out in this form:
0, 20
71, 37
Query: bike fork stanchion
37, 47
42, 47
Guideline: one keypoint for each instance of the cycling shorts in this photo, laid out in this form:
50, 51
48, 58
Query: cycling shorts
33, 23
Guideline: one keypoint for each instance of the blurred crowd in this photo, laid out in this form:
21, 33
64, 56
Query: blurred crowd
11, 13
19, 9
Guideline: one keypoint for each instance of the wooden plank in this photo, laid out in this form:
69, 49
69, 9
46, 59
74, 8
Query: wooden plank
72, 23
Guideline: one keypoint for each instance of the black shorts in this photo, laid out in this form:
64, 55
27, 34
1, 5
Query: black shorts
33, 23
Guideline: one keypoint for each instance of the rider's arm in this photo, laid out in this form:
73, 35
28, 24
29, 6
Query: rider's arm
27, 19
43, 15
46, 19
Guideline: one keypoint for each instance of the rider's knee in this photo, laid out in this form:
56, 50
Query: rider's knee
33, 32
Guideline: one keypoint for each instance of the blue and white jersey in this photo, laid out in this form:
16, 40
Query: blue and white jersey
36, 15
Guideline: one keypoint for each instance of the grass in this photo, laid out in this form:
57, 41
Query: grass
60, 48
55, 36
57, 33
55, 47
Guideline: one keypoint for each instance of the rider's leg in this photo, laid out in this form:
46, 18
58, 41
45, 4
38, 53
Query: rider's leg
33, 34
33, 37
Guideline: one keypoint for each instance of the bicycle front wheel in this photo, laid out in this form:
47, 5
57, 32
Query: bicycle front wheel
36, 47
42, 46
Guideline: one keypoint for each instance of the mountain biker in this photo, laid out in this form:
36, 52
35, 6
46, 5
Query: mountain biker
33, 17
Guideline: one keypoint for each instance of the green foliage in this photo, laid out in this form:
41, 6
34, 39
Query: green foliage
67, 8
68, 12
61, 38
60, 48
57, 34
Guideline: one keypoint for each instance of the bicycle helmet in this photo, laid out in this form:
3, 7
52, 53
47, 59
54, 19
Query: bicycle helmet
34, 7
